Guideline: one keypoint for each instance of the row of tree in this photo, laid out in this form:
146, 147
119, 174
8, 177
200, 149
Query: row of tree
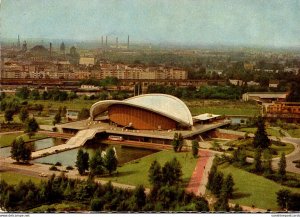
20, 150
203, 92
99, 163
165, 194
221, 187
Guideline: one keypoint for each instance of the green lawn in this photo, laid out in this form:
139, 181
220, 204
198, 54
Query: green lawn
137, 173
7, 139
222, 107
76, 104
63, 206
223, 110
14, 178
247, 143
287, 149
270, 131
251, 189
294, 132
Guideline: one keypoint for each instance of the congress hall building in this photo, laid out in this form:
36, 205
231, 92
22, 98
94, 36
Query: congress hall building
144, 119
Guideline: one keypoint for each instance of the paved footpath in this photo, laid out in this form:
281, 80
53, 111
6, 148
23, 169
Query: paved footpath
199, 177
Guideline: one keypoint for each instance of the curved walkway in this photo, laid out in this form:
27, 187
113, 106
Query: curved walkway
197, 183
295, 155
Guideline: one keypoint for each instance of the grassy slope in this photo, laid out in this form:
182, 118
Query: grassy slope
294, 133
76, 104
270, 131
222, 107
137, 173
7, 139
251, 189
14, 178
63, 206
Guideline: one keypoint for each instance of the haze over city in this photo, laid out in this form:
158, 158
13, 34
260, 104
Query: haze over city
234, 22
150, 106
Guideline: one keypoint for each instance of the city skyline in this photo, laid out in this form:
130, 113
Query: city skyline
233, 23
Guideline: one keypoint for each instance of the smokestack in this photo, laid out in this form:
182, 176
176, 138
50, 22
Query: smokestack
50, 49
128, 42
117, 43
19, 44
106, 41
102, 40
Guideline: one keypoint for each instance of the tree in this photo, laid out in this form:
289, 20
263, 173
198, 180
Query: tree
222, 204
83, 114
8, 115
195, 148
267, 161
171, 173
261, 139
96, 164
155, 174
140, 196
227, 187
23, 92
31, 126
35, 94
257, 160
20, 151
96, 204
242, 156
283, 197
177, 142
294, 93
201, 205
23, 115
63, 111
110, 160
57, 118
282, 166
217, 183
82, 161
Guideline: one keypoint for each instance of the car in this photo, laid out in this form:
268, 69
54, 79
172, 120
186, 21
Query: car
42, 175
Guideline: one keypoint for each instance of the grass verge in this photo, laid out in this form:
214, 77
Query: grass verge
136, 172
7, 139
14, 178
60, 207
251, 189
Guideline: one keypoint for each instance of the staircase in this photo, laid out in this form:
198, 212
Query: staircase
82, 136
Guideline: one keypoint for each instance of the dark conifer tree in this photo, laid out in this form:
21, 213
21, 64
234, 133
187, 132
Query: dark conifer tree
261, 139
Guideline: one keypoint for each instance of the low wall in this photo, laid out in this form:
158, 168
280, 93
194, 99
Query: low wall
226, 134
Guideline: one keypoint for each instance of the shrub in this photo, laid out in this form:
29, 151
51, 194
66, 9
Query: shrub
69, 168
292, 183
58, 164
53, 168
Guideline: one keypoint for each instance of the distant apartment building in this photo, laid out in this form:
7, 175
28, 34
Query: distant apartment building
87, 61
248, 66
264, 96
64, 70
273, 83
236, 82
290, 111
252, 83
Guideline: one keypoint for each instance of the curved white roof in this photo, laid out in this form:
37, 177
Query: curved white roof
163, 104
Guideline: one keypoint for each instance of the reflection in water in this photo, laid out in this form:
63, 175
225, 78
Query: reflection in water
38, 145
68, 158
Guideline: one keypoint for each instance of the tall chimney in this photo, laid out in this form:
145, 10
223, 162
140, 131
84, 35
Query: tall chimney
50, 49
117, 43
19, 43
106, 41
128, 42
102, 40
